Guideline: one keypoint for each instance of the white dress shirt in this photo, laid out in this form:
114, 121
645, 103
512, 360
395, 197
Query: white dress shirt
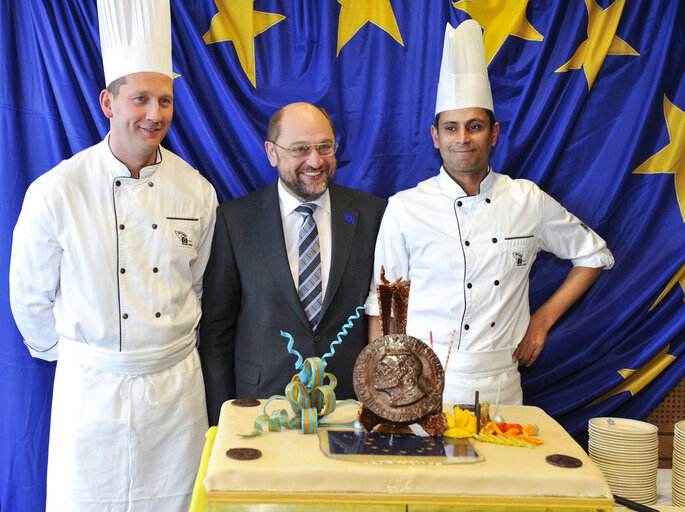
292, 221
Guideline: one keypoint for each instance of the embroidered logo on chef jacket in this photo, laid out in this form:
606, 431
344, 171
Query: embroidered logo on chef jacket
183, 238
519, 259
184, 229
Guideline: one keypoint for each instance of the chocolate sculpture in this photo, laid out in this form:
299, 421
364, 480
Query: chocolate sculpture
397, 378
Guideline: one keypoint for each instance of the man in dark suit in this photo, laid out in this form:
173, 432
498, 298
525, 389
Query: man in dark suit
271, 268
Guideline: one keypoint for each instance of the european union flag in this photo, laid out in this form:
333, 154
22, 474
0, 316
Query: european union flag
590, 96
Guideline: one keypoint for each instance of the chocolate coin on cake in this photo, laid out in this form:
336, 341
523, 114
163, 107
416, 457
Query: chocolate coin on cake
245, 402
243, 453
399, 378
564, 461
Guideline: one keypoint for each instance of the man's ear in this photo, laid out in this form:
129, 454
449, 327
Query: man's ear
271, 153
495, 134
434, 134
106, 101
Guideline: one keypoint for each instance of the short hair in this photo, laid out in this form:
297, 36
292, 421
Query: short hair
413, 365
491, 116
274, 129
408, 363
114, 86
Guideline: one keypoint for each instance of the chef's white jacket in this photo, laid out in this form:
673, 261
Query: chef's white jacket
468, 259
106, 272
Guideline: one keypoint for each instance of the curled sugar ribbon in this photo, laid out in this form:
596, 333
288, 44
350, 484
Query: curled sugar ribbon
344, 330
311, 398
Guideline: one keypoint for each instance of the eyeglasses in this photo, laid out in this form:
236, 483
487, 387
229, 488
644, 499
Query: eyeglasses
304, 150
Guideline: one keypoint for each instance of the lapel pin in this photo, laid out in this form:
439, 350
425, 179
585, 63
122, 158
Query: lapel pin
349, 218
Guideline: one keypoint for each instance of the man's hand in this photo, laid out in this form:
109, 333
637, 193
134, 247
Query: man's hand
577, 281
533, 342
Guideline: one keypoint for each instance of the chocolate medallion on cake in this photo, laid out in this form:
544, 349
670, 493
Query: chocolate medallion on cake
245, 402
243, 453
399, 378
563, 461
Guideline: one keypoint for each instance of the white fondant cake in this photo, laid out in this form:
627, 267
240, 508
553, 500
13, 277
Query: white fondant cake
292, 463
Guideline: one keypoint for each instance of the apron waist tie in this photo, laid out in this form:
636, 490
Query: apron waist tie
149, 392
491, 372
134, 362
482, 363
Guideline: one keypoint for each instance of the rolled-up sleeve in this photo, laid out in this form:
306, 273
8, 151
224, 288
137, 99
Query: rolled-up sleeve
567, 237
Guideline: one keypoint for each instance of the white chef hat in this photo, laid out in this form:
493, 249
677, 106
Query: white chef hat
135, 36
463, 73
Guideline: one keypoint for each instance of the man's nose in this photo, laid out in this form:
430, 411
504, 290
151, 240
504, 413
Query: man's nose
154, 112
314, 159
463, 135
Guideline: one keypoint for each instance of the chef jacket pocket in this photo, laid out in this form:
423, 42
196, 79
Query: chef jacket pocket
184, 231
519, 251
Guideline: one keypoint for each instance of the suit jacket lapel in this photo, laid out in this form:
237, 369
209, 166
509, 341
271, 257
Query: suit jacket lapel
269, 227
343, 226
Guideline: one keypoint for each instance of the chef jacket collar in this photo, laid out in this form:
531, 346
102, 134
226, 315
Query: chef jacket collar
446, 183
118, 169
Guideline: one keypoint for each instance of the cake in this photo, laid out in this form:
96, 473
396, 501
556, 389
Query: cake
290, 467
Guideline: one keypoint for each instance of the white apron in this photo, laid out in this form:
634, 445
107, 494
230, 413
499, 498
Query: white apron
127, 428
465, 375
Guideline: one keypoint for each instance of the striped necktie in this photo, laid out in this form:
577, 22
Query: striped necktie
309, 263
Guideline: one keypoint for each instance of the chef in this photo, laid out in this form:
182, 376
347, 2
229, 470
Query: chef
106, 278
467, 239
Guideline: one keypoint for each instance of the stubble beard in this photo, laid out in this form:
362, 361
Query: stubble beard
302, 191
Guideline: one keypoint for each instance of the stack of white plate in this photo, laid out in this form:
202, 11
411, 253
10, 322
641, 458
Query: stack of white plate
627, 452
678, 482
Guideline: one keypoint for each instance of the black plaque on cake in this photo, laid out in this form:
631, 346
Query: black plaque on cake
394, 448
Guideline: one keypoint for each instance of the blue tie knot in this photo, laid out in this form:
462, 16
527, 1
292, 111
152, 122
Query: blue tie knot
306, 208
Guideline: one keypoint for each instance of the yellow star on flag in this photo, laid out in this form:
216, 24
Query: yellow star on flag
635, 380
499, 19
671, 158
601, 40
237, 21
354, 14
679, 277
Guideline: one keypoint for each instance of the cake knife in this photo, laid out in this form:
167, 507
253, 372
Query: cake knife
633, 505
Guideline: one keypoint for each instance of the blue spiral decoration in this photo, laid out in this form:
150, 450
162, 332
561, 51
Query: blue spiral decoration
309, 396
343, 332
298, 364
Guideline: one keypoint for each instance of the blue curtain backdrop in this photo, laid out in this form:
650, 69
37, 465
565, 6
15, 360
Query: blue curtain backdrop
590, 96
